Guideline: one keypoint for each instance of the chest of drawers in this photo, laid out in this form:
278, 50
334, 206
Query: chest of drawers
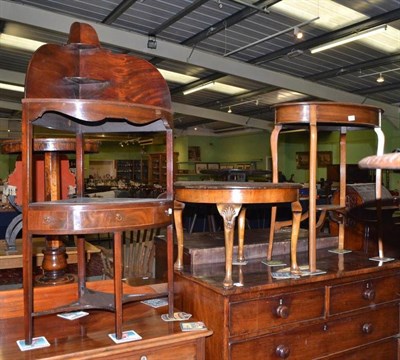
351, 312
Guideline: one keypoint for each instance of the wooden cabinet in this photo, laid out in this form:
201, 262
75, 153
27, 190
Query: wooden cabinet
353, 309
132, 170
158, 168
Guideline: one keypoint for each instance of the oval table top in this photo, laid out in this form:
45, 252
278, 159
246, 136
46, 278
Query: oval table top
231, 192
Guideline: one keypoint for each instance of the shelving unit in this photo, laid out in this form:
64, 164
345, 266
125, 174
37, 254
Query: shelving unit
158, 168
132, 170
79, 89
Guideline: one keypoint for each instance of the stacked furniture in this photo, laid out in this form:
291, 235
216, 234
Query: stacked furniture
81, 89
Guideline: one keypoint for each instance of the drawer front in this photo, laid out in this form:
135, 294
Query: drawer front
100, 220
360, 294
270, 312
320, 340
382, 350
121, 218
40, 221
184, 351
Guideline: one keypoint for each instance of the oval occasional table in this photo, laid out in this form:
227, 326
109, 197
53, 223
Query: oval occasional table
229, 198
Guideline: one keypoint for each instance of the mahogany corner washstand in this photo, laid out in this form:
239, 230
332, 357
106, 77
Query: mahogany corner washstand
81, 89
327, 116
229, 198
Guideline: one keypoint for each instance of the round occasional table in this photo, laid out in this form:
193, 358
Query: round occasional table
229, 198
330, 116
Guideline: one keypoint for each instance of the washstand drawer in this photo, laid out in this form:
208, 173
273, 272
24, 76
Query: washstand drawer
269, 312
360, 294
314, 341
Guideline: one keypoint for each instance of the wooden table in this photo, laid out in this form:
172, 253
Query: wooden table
229, 198
326, 116
13, 259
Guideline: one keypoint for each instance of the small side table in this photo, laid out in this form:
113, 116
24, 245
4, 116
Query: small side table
327, 116
229, 198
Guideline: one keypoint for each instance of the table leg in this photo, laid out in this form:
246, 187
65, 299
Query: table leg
178, 210
271, 233
296, 211
229, 212
241, 229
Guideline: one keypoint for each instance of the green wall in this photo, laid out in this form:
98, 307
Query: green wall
254, 147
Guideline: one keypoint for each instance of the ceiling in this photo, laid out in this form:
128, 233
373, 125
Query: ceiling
246, 47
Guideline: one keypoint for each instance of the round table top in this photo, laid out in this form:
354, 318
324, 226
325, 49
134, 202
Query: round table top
231, 192
328, 114
49, 145
224, 185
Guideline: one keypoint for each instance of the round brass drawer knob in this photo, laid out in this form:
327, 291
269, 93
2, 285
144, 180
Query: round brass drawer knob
369, 294
282, 311
367, 328
282, 351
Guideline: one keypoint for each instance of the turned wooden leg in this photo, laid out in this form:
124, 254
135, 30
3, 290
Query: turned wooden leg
296, 211
275, 179
229, 212
271, 233
118, 283
178, 209
241, 229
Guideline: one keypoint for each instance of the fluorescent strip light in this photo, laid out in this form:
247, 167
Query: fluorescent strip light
198, 88
12, 87
345, 40
20, 43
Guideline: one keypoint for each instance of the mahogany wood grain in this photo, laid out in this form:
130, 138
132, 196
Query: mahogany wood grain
87, 338
327, 116
80, 88
229, 198
310, 317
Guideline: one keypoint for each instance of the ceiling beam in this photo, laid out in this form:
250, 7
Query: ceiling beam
381, 19
188, 9
118, 11
129, 40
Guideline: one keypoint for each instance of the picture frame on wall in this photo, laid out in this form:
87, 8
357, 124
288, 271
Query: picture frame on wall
199, 167
324, 158
213, 166
302, 160
194, 153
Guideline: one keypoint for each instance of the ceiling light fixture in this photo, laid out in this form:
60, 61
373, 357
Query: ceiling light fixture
298, 33
380, 78
256, 102
12, 87
198, 88
20, 43
351, 38
270, 37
